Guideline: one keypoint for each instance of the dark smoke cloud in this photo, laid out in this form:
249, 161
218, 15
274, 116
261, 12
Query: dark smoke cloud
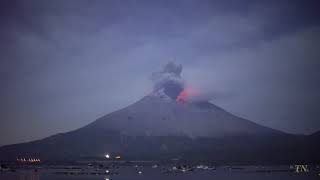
169, 80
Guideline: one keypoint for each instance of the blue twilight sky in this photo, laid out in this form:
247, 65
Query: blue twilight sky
65, 63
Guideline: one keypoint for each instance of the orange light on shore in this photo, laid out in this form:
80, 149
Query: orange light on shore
118, 157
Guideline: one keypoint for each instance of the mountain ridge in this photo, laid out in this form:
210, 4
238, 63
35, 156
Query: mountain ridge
191, 119
198, 130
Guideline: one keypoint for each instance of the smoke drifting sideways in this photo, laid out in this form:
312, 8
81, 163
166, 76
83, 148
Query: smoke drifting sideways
169, 80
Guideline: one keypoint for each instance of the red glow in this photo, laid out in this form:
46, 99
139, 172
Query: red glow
183, 95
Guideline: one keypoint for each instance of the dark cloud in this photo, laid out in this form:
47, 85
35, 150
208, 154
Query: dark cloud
65, 63
169, 80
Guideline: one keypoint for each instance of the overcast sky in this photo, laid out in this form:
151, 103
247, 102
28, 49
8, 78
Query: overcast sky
65, 63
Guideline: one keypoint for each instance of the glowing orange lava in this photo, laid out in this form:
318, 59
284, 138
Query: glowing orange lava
183, 95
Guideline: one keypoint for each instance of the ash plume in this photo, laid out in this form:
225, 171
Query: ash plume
169, 80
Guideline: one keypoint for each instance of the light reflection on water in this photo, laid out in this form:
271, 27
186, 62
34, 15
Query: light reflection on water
156, 174
28, 176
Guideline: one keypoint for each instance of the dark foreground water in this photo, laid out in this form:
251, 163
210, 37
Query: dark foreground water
149, 173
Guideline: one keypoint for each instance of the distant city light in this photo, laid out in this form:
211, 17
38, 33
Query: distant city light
107, 156
32, 160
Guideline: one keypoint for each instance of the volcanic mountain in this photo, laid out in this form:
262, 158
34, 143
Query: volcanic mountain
157, 127
156, 116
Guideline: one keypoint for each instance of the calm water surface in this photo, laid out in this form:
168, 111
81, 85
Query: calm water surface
148, 173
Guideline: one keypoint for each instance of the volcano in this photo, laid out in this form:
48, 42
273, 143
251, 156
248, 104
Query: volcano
158, 128
160, 116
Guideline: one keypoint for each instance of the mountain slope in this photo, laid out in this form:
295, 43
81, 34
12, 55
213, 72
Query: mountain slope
159, 128
155, 116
